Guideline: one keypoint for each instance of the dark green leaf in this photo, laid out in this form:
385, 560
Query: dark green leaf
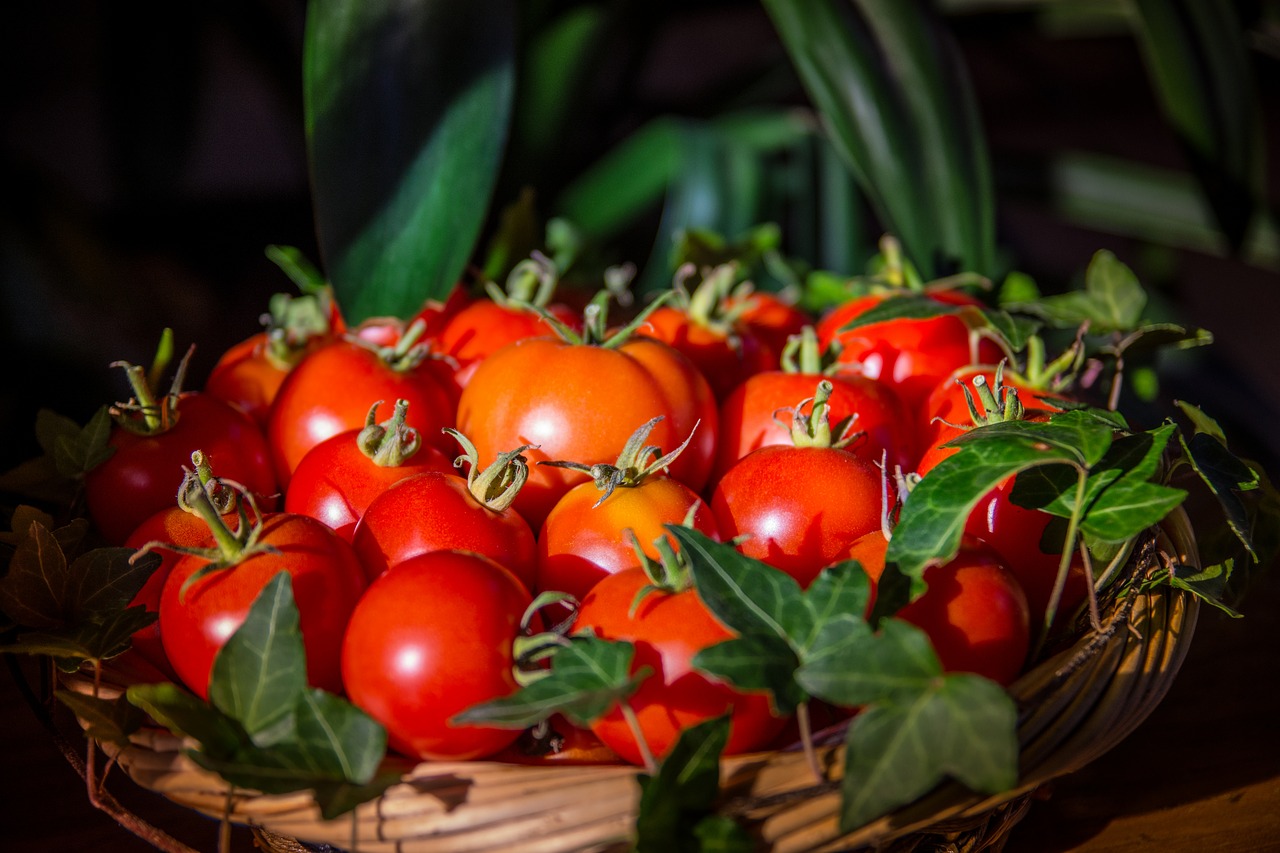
1226, 476
1208, 584
755, 663
1154, 336
407, 109
1127, 508
339, 741
338, 798
722, 834
76, 643
961, 726
908, 306
1016, 331
683, 790
34, 591
840, 591
860, 668
1201, 421
1112, 299
104, 581
1079, 432
76, 454
106, 720
260, 673
588, 677
183, 713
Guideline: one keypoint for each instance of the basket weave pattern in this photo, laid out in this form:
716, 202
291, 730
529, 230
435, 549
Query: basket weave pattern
1073, 707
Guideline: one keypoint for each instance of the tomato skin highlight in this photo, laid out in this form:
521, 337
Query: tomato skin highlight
335, 481
327, 581
429, 639
143, 475
668, 629
328, 392
800, 506
580, 542
435, 511
582, 402
974, 611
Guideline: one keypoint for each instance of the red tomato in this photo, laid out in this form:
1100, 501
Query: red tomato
143, 475
329, 392
724, 353
581, 402
327, 581
338, 478
768, 317
580, 542
747, 420
668, 629
974, 611
429, 639
436, 511
910, 355
484, 327
800, 507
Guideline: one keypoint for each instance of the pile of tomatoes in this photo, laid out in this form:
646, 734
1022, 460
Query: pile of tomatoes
424, 480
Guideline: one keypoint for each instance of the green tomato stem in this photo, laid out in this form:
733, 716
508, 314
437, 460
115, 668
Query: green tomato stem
633, 722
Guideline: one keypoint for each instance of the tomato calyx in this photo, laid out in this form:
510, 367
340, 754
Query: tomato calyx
530, 284
630, 469
497, 485
595, 321
670, 573
391, 443
531, 648
708, 303
292, 323
407, 352
804, 355
815, 429
147, 413
989, 402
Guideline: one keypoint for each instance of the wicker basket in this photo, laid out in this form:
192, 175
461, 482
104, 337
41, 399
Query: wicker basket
1073, 707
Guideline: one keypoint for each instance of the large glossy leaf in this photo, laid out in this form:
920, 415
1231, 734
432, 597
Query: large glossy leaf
1199, 62
407, 110
897, 104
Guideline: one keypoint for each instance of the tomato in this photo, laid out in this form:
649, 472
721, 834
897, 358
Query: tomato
329, 392
327, 581
974, 611
723, 352
581, 402
143, 475
668, 629
581, 542
338, 478
437, 511
911, 355
799, 507
484, 327
429, 639
768, 317
748, 421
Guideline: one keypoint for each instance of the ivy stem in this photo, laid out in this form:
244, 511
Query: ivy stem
1095, 618
633, 722
1117, 382
805, 725
1064, 563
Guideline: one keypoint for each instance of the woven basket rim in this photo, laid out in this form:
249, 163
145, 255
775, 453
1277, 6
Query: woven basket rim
1074, 707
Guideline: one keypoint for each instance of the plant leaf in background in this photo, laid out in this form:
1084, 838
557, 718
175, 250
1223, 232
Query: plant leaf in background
898, 107
407, 110
1199, 62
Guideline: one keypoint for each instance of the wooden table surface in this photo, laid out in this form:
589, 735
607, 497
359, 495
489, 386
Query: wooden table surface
1202, 774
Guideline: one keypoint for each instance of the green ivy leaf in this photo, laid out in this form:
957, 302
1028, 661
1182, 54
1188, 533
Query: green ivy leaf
961, 726
587, 678
183, 713
756, 663
1112, 299
1225, 474
1127, 508
431, 82
73, 644
1208, 584
79, 452
891, 666
683, 790
108, 720
260, 673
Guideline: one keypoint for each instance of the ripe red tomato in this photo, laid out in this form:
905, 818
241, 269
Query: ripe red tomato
911, 355
429, 639
580, 542
484, 327
329, 392
725, 353
768, 317
437, 511
799, 507
338, 478
327, 581
974, 610
581, 402
143, 475
668, 629
747, 417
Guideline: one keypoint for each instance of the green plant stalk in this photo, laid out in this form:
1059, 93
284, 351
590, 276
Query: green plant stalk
1064, 563
633, 722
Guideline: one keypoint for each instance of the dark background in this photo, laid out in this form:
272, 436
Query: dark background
152, 151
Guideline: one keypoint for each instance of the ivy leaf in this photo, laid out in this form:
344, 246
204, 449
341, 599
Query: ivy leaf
892, 665
683, 790
1127, 508
1112, 299
185, 714
260, 673
907, 306
587, 678
33, 591
1208, 584
105, 580
72, 645
109, 720
76, 453
1223, 472
756, 663
962, 726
